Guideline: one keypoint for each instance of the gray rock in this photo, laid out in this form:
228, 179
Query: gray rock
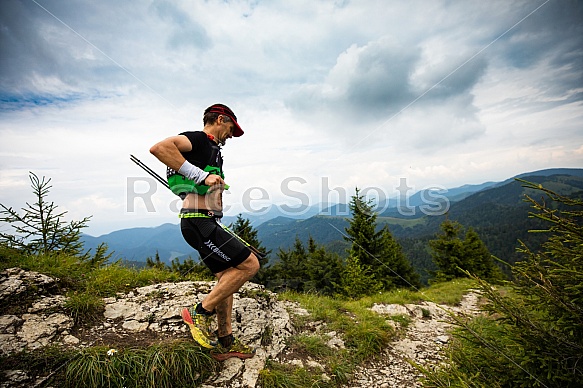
9, 324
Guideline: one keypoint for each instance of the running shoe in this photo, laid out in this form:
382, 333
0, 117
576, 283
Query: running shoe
199, 325
237, 349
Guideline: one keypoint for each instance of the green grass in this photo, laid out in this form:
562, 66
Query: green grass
174, 364
314, 345
365, 334
67, 268
475, 363
276, 375
400, 296
83, 306
404, 222
365, 330
50, 359
108, 280
449, 293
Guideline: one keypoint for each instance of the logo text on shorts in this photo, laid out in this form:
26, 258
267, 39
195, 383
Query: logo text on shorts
216, 250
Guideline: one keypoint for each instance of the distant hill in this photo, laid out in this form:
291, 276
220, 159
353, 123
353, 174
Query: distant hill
498, 213
495, 210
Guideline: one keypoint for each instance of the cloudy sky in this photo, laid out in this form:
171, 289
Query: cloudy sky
332, 95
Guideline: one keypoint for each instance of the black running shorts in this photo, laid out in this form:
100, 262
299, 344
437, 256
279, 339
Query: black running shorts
218, 249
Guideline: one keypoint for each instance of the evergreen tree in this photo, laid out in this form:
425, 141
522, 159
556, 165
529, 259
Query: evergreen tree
456, 257
156, 262
397, 270
304, 269
362, 233
323, 269
290, 271
448, 252
375, 252
358, 280
482, 264
191, 267
41, 228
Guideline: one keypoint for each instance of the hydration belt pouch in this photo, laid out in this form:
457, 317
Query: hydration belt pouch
181, 185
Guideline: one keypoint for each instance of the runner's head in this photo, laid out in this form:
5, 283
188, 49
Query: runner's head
214, 111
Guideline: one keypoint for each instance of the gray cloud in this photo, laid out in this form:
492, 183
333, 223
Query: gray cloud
185, 31
77, 50
24, 50
453, 78
437, 70
552, 35
555, 29
380, 78
43, 59
368, 80
373, 84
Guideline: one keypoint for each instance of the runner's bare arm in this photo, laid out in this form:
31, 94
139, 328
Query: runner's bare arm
168, 151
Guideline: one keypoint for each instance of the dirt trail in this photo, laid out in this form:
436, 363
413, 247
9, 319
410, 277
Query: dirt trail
423, 342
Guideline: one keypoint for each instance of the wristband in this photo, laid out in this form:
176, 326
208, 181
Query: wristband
190, 171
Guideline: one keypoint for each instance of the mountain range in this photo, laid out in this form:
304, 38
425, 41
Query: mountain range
496, 210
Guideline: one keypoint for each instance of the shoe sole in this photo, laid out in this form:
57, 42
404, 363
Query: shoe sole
197, 334
225, 356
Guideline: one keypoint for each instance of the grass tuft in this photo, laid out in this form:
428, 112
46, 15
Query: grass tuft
83, 306
175, 364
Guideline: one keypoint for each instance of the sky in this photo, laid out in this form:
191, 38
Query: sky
332, 96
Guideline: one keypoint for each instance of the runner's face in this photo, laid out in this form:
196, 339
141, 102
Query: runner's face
227, 130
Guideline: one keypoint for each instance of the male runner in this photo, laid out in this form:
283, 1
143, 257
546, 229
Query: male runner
195, 174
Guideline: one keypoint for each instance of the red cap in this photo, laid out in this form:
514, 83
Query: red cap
224, 110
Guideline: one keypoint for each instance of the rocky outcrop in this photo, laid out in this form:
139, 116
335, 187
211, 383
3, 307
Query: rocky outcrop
143, 316
29, 312
33, 316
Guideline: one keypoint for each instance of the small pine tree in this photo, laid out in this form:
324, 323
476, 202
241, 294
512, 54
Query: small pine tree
156, 262
290, 271
361, 231
396, 270
190, 267
41, 228
302, 269
455, 258
483, 266
358, 280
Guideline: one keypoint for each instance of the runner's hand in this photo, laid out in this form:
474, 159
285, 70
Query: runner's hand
212, 180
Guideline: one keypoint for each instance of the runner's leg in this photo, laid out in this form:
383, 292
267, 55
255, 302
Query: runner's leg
230, 280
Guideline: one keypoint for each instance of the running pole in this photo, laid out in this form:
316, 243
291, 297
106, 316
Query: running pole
149, 171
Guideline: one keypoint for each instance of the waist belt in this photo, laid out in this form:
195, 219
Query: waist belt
196, 213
